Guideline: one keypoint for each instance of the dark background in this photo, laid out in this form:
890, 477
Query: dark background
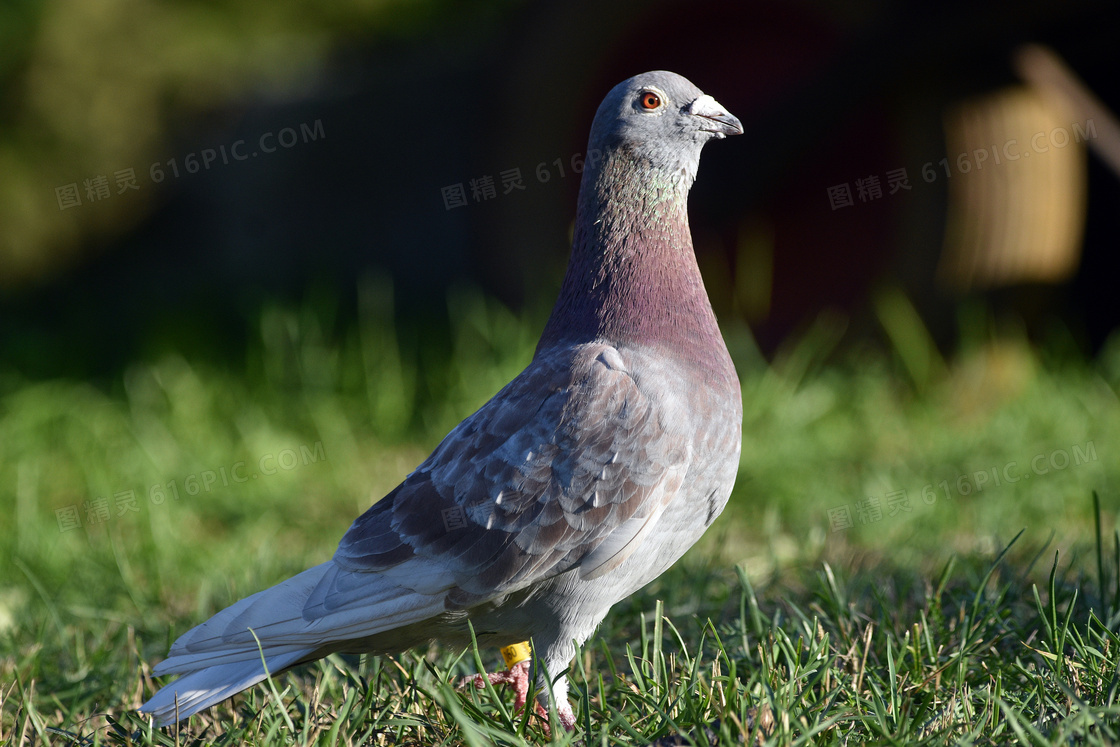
413, 99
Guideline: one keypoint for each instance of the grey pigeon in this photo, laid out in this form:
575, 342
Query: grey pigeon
581, 481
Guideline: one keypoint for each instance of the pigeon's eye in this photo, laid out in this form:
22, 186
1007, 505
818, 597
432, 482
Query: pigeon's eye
650, 100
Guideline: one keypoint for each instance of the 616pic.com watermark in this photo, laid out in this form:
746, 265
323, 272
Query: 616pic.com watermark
97, 188
870, 509
870, 188
99, 511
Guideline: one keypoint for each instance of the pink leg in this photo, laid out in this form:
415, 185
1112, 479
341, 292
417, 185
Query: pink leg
518, 676
564, 713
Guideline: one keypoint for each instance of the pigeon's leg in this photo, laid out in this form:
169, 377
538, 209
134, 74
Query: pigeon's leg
517, 675
563, 707
519, 663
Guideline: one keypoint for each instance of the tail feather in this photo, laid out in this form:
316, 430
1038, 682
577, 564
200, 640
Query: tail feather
203, 688
280, 605
286, 623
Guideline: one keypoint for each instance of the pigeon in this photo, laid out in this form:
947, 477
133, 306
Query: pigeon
577, 484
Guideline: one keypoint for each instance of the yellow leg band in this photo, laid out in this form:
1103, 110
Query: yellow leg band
516, 654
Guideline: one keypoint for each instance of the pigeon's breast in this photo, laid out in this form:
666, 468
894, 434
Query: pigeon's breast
705, 413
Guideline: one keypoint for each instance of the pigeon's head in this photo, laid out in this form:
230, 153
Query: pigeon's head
660, 117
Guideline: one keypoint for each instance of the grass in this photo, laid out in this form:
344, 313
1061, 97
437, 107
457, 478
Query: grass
953, 609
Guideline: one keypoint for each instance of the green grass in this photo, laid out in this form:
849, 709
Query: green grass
986, 613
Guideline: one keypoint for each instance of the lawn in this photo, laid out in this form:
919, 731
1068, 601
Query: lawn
912, 554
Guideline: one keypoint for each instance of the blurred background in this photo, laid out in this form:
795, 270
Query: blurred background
367, 133
309, 238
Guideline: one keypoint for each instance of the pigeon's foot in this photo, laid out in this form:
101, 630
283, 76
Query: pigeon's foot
518, 676
565, 714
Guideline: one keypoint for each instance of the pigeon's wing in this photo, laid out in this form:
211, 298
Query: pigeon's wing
567, 466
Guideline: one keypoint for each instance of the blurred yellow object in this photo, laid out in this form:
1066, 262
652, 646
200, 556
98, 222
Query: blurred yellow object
1017, 190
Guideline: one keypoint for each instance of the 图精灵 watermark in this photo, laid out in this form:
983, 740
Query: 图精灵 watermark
870, 188
482, 188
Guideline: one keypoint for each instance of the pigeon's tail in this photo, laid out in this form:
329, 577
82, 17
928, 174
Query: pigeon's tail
203, 688
323, 609
228, 653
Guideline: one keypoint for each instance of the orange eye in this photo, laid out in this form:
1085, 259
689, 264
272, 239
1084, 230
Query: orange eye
650, 100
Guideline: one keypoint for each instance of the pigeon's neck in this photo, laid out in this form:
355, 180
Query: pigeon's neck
633, 278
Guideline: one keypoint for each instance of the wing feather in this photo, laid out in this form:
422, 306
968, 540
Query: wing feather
568, 466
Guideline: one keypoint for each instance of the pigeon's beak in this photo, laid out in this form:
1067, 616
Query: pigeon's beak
714, 118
